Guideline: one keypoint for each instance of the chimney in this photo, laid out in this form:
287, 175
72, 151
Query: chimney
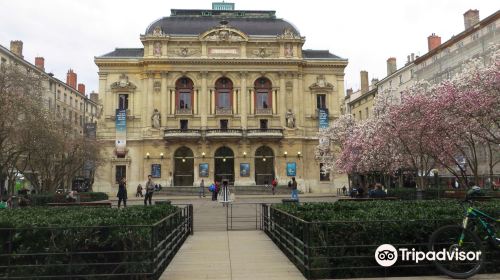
364, 81
71, 78
17, 48
391, 65
471, 17
374, 81
40, 63
412, 57
433, 41
81, 88
94, 96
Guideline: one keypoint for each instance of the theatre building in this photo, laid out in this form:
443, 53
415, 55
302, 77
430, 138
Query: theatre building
217, 94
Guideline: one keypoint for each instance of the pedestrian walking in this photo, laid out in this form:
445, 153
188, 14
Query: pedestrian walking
150, 189
295, 193
122, 192
224, 193
274, 183
139, 191
202, 188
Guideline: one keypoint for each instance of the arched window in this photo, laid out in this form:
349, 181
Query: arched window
223, 96
184, 96
263, 95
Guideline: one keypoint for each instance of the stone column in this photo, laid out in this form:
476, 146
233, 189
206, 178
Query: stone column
149, 110
295, 98
282, 95
107, 97
164, 98
244, 99
204, 104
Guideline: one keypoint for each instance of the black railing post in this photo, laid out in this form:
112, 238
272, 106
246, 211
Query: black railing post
307, 249
191, 228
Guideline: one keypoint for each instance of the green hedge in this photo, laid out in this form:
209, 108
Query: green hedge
346, 234
44, 198
68, 229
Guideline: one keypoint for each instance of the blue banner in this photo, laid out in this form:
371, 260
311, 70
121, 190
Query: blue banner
121, 120
323, 118
291, 169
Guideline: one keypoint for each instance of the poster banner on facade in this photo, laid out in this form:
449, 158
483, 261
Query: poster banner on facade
291, 169
323, 118
156, 170
203, 169
121, 129
244, 169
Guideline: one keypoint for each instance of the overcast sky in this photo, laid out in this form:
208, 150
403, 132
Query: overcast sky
70, 33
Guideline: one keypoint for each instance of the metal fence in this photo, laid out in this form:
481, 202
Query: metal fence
243, 216
346, 249
111, 252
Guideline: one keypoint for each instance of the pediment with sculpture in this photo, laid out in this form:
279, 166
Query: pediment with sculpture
322, 84
123, 84
224, 33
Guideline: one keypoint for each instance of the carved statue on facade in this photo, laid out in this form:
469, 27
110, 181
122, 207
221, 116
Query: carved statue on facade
288, 50
157, 49
156, 119
290, 119
157, 31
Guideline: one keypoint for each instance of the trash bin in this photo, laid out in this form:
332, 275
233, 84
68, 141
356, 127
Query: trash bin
163, 202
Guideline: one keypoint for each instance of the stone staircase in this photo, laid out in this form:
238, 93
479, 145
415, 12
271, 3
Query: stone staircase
239, 190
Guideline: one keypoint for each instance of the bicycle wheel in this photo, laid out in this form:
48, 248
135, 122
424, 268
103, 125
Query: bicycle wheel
446, 240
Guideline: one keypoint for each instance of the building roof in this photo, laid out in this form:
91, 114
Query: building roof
125, 52
139, 52
459, 37
195, 22
319, 54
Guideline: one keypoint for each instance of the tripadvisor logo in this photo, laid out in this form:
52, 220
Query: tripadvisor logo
387, 255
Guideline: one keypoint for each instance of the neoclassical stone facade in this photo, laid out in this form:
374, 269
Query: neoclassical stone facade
216, 94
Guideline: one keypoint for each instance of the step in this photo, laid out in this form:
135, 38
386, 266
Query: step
242, 190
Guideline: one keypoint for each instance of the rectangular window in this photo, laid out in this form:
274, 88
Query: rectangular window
263, 100
123, 101
263, 124
223, 100
223, 124
321, 101
185, 100
70, 115
367, 113
120, 173
184, 124
70, 101
323, 175
65, 98
360, 115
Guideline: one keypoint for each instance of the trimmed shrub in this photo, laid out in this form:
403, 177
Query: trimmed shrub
344, 235
122, 238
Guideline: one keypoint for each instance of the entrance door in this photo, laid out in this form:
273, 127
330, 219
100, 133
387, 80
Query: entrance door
224, 165
183, 167
264, 165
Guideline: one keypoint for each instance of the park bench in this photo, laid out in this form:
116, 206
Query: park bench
106, 203
367, 198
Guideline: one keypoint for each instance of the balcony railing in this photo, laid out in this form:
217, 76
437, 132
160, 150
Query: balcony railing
265, 132
263, 111
224, 133
184, 111
182, 133
224, 111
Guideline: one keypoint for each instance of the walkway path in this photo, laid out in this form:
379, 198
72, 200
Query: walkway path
226, 255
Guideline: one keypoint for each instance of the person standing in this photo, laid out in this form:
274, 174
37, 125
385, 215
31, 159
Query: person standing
139, 191
295, 193
122, 192
150, 188
202, 188
274, 183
